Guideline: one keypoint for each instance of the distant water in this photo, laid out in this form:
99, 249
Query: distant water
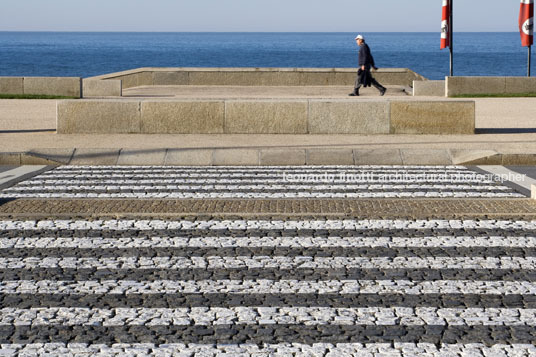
88, 54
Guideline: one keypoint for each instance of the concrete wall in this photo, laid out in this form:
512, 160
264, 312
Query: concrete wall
429, 88
314, 116
489, 85
102, 88
432, 117
58, 86
257, 76
11, 85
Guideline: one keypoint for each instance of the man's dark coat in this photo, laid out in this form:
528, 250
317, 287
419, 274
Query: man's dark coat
365, 59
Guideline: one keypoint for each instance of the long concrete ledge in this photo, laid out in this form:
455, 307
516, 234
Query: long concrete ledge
256, 76
264, 156
286, 116
58, 86
489, 85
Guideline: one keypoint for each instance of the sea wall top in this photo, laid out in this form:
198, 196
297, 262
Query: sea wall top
257, 76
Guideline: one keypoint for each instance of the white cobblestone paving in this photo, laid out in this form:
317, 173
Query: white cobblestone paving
267, 315
265, 286
256, 182
216, 262
346, 224
53, 306
251, 242
280, 350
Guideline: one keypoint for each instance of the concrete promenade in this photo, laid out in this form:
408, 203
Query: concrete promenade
506, 134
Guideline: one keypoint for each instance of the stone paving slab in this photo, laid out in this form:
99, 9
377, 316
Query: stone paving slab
268, 155
363, 208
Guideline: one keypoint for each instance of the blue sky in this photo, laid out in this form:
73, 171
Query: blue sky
254, 15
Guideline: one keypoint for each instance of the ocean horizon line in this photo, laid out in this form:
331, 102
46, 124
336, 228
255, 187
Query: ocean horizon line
255, 32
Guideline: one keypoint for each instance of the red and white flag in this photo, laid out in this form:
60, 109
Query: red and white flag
445, 25
526, 22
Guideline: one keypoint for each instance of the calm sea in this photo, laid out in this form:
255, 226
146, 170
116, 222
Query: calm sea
88, 54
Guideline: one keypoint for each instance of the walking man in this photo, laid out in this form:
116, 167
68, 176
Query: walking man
366, 62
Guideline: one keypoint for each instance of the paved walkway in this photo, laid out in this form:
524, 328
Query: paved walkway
506, 130
264, 276
252, 92
364, 192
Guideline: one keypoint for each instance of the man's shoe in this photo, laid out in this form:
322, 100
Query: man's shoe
382, 92
354, 94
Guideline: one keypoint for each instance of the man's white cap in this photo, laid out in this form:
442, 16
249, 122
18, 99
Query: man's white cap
360, 37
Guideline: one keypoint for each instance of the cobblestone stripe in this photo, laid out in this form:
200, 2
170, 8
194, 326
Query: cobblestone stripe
276, 350
260, 169
377, 316
164, 180
300, 262
270, 334
325, 177
157, 186
122, 242
313, 224
186, 172
278, 209
193, 235
263, 195
308, 274
227, 300
208, 252
252, 180
260, 286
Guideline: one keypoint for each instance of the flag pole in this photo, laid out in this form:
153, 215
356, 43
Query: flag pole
528, 70
451, 38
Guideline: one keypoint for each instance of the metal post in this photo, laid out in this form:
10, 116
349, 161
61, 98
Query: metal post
528, 70
451, 40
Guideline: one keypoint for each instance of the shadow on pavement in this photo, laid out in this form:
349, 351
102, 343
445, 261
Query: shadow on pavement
505, 131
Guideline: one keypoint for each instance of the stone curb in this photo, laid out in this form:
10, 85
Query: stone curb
251, 156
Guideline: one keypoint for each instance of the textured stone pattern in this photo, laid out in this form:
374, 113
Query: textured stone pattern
11, 85
91, 117
58, 86
182, 117
489, 85
429, 88
266, 117
433, 117
257, 76
349, 117
102, 88
384, 208
158, 182
264, 287
297, 116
